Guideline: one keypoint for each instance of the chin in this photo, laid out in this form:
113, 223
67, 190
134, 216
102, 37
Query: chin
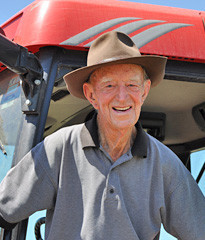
124, 125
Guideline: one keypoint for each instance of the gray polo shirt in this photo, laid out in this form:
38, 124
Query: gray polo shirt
87, 196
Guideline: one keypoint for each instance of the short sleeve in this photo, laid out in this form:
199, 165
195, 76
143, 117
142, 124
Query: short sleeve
184, 212
32, 184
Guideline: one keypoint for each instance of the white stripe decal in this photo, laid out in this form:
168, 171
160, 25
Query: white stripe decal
149, 35
140, 39
91, 32
132, 27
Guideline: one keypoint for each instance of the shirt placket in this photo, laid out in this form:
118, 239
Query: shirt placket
112, 188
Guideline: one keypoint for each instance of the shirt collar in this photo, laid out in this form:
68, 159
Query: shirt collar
89, 133
89, 137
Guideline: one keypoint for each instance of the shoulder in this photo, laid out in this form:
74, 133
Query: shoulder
64, 135
52, 146
157, 148
167, 162
54, 150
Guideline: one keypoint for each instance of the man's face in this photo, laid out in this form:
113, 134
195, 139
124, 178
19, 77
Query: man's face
117, 92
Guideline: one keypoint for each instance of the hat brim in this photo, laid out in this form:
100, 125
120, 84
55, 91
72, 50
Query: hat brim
153, 65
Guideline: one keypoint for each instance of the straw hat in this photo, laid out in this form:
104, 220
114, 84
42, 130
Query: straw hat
114, 48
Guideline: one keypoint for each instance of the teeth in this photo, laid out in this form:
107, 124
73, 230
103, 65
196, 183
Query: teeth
122, 109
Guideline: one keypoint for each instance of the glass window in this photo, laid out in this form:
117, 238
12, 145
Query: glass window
165, 236
31, 225
10, 118
198, 168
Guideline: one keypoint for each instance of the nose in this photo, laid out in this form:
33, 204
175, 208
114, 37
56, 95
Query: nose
122, 93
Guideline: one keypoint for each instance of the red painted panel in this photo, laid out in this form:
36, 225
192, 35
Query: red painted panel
177, 33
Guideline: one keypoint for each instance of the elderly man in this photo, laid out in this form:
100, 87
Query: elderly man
107, 178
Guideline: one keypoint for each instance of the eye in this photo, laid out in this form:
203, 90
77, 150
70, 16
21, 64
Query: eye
109, 86
133, 86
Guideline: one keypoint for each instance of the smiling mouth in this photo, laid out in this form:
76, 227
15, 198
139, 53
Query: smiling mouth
122, 109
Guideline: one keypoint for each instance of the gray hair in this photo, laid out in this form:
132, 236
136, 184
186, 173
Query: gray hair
145, 74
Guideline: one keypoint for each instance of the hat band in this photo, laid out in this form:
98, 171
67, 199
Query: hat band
111, 59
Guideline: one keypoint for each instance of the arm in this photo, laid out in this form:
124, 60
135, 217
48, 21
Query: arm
31, 185
184, 216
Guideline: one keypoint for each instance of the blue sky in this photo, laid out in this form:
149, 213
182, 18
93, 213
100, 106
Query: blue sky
11, 7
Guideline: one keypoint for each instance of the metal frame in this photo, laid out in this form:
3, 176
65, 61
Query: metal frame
32, 127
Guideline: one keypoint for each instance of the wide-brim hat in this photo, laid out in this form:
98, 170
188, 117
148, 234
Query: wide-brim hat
114, 48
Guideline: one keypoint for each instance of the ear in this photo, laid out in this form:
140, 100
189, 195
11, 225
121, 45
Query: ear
147, 86
89, 93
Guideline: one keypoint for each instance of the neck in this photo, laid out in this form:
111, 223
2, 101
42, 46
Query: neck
116, 143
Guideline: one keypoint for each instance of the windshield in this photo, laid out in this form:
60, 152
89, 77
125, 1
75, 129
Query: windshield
10, 117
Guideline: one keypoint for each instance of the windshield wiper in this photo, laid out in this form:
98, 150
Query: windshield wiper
3, 148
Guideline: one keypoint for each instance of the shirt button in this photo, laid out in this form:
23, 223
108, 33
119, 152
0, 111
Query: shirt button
112, 190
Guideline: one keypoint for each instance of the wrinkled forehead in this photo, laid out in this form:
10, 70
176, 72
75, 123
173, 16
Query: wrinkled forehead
117, 71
